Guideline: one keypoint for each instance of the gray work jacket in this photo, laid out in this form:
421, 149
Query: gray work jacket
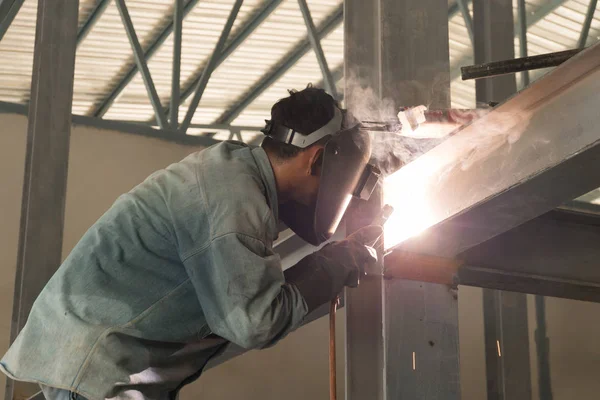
182, 257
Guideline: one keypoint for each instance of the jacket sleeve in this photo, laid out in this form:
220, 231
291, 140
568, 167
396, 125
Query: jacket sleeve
242, 291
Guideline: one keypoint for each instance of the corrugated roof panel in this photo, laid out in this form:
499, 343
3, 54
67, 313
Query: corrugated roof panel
305, 71
201, 30
106, 55
260, 53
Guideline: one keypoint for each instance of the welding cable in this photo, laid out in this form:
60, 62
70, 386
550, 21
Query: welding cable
332, 359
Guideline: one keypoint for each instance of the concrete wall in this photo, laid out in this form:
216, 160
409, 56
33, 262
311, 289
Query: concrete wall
103, 164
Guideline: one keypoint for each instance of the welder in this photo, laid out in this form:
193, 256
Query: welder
184, 264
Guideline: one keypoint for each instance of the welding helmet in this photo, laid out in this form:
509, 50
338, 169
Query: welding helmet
344, 174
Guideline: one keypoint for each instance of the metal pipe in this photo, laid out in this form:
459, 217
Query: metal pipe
497, 68
177, 33
587, 23
315, 43
140, 60
210, 66
522, 16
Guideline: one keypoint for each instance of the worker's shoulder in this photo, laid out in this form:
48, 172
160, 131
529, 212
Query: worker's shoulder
233, 190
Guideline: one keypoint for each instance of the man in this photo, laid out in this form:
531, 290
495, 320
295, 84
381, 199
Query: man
183, 263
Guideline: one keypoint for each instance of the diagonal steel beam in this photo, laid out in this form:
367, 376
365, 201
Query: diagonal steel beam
463, 5
587, 23
288, 61
241, 35
91, 20
105, 104
315, 43
8, 11
142, 65
210, 66
176, 73
522, 17
532, 19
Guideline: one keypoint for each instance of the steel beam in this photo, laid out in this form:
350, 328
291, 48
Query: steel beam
315, 43
140, 60
587, 23
210, 66
542, 344
518, 162
128, 77
506, 336
91, 20
463, 5
522, 18
240, 36
46, 160
288, 61
417, 322
176, 71
536, 16
8, 11
135, 128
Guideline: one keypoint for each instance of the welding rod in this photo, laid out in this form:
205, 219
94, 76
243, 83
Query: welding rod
497, 68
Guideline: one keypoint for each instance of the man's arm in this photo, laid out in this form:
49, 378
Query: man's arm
243, 293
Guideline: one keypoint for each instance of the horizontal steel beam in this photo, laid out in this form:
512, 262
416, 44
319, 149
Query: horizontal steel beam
124, 126
526, 157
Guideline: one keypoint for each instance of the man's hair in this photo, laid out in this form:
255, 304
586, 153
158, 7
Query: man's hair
304, 111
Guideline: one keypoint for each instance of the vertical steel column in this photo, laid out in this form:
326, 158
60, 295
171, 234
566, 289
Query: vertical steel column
400, 50
363, 305
587, 23
505, 313
48, 134
542, 344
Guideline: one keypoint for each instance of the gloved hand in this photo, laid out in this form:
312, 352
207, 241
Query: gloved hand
321, 276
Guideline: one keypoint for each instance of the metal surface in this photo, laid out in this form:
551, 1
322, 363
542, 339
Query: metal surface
140, 60
506, 336
542, 344
175, 77
46, 160
331, 22
533, 18
587, 23
315, 43
91, 20
105, 104
416, 323
8, 11
210, 66
498, 68
463, 6
522, 18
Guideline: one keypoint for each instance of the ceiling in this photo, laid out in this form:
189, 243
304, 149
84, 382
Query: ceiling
266, 54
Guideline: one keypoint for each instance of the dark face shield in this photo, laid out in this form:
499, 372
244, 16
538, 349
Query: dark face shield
344, 174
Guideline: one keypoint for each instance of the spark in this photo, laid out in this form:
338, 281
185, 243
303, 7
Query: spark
498, 345
414, 361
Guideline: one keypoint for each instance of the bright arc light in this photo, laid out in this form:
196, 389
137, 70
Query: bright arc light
406, 191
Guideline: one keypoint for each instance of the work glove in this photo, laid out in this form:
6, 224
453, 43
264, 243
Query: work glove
321, 276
